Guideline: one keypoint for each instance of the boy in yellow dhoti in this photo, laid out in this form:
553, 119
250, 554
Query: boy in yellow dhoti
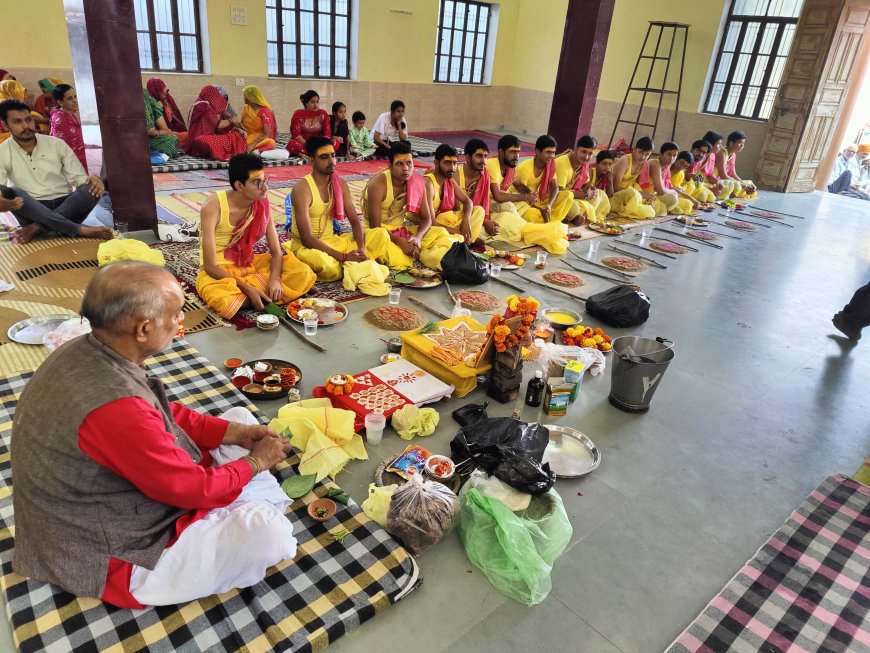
572, 173
465, 223
537, 176
231, 222
676, 201
397, 199
689, 178
481, 179
321, 202
721, 186
726, 166
634, 195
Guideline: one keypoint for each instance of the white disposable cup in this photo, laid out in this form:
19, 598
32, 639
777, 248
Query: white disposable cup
541, 257
395, 294
310, 325
375, 423
646, 232
495, 270
593, 246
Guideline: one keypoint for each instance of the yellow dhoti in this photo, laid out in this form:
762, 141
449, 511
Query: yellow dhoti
729, 188
326, 267
595, 210
433, 247
453, 219
514, 229
739, 192
629, 203
699, 191
558, 212
224, 296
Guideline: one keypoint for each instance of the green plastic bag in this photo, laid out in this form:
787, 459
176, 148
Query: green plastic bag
515, 551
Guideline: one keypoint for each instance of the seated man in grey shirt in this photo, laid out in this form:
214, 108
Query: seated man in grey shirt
50, 189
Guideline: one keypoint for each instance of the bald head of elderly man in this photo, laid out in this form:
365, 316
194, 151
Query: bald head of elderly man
123, 495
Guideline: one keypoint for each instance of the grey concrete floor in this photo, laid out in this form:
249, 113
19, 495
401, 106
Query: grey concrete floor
760, 403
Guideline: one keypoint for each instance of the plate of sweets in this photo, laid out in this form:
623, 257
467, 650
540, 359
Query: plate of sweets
266, 378
607, 228
328, 311
420, 278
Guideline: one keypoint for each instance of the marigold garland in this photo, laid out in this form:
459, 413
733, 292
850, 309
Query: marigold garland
339, 384
586, 337
504, 339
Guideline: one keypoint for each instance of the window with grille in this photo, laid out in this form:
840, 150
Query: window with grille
461, 50
169, 35
308, 38
752, 57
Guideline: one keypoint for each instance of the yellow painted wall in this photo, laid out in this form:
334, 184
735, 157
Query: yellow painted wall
237, 49
34, 35
537, 44
630, 22
397, 47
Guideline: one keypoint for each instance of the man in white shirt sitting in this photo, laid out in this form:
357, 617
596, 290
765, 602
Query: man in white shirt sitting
844, 180
50, 189
389, 128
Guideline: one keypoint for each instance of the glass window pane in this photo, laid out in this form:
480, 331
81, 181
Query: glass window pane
456, 50
144, 50
785, 41
288, 4
482, 20
749, 7
479, 51
341, 63
767, 38
272, 58
271, 28
189, 60
306, 27
454, 71
715, 97
163, 15
165, 52
140, 9
448, 14
342, 7
443, 70
469, 44
465, 75
740, 69
478, 71
758, 70
724, 67
730, 42
341, 31
324, 63
749, 101
459, 15
324, 26
324, 6
776, 72
186, 21
306, 4
444, 42
767, 104
472, 16
306, 68
731, 100
291, 66
289, 26
750, 34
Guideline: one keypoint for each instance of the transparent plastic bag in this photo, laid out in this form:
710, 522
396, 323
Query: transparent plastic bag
515, 551
66, 331
498, 489
421, 512
559, 355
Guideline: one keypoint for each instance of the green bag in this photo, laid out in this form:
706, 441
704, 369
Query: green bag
515, 551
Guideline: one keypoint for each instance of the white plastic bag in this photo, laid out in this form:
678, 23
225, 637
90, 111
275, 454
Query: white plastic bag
561, 354
421, 512
499, 490
66, 331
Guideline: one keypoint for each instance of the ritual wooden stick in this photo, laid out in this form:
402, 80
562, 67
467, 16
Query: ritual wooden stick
449, 292
687, 237
434, 311
729, 217
541, 284
719, 233
761, 217
278, 312
646, 249
791, 215
593, 274
599, 265
652, 262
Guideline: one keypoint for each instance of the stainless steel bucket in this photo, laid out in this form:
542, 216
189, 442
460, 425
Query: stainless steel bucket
634, 380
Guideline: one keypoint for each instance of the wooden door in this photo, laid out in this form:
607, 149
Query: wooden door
829, 38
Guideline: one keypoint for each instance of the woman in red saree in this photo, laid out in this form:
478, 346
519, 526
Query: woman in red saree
308, 122
159, 91
65, 122
209, 134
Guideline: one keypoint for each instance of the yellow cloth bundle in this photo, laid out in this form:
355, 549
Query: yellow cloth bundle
127, 249
378, 503
369, 276
323, 434
409, 421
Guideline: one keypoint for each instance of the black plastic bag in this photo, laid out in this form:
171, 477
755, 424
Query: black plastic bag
620, 306
470, 413
508, 449
461, 266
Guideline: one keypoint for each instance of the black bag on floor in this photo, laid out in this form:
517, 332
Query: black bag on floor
470, 413
620, 306
461, 266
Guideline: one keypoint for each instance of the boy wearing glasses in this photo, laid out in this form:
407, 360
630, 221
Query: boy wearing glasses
230, 275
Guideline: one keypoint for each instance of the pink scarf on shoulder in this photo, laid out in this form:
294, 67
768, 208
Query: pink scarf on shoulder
509, 175
448, 196
415, 190
240, 249
481, 192
337, 197
544, 188
582, 177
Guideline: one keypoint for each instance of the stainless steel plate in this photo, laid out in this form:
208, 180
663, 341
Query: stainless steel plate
571, 454
34, 329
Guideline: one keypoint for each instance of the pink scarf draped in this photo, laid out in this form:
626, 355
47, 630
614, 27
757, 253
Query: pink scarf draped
337, 197
643, 179
582, 177
544, 188
448, 196
246, 234
481, 192
709, 168
731, 165
415, 190
666, 177
509, 175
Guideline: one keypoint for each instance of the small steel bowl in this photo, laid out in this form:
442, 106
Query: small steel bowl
431, 461
561, 326
267, 322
